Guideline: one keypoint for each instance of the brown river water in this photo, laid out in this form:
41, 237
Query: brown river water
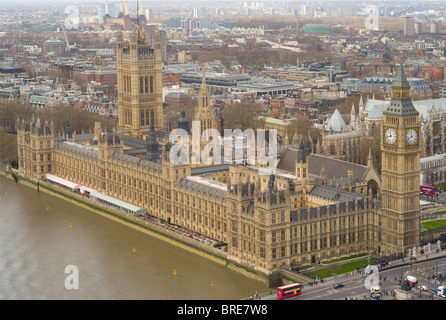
40, 236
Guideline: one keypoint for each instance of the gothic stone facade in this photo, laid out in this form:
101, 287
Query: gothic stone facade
267, 221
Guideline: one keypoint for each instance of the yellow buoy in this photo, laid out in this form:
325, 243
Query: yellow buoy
70, 225
212, 283
134, 249
174, 271
6, 193
47, 207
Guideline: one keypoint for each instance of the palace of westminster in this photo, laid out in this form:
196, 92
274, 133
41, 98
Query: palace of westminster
311, 208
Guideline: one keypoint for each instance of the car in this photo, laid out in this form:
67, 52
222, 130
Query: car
338, 285
424, 288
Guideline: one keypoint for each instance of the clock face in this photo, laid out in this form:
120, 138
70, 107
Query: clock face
390, 136
411, 136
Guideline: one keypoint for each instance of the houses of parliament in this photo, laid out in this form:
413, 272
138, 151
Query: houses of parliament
311, 208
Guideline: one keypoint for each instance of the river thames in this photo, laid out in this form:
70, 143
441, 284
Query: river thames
40, 236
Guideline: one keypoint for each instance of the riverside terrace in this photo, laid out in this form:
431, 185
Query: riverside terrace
220, 202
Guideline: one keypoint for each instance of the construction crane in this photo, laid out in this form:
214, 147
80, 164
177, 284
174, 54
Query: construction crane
68, 44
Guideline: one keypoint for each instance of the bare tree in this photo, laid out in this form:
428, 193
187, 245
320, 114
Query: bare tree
242, 115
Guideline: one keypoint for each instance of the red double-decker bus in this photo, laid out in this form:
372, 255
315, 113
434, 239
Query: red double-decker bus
427, 190
289, 291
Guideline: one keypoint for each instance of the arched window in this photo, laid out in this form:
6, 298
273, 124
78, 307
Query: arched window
152, 116
151, 84
141, 120
141, 85
147, 84
147, 117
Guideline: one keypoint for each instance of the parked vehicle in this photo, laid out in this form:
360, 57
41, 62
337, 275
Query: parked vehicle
338, 285
412, 281
441, 291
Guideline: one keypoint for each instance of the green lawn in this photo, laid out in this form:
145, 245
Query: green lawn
345, 258
340, 269
433, 224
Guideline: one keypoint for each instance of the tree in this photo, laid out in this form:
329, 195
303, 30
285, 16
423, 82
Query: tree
11, 111
8, 146
275, 279
80, 120
302, 126
244, 115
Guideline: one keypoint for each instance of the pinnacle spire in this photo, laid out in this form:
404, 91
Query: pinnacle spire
370, 159
203, 78
401, 79
401, 102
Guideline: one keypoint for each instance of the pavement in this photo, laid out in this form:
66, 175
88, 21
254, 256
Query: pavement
354, 283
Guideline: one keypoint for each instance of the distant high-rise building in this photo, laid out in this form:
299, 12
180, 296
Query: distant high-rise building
418, 27
149, 14
151, 30
435, 27
409, 26
342, 64
303, 10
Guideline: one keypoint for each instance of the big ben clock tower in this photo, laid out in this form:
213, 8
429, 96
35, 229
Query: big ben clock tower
400, 212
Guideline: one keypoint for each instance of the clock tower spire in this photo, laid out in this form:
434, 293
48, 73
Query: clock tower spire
400, 212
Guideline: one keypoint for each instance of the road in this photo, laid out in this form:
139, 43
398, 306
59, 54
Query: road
354, 284
437, 198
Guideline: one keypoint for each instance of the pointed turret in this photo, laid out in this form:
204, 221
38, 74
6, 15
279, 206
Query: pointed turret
295, 140
204, 112
353, 116
361, 105
401, 102
370, 159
